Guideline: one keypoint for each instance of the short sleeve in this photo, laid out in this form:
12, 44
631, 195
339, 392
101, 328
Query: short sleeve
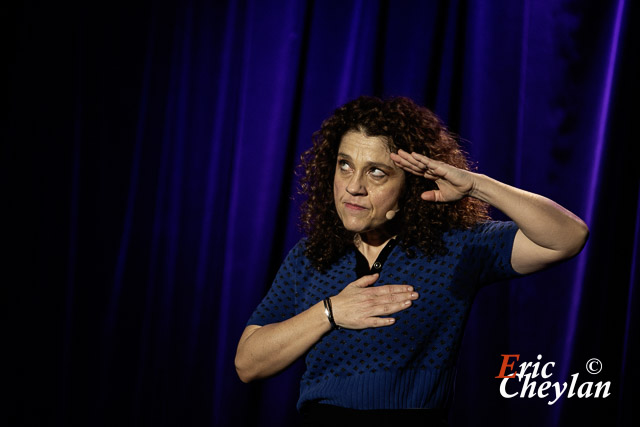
280, 302
493, 241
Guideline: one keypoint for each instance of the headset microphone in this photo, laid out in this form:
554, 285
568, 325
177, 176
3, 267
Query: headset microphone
390, 214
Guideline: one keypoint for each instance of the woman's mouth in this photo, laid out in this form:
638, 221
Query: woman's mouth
354, 207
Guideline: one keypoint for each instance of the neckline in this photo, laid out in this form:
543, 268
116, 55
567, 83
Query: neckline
362, 264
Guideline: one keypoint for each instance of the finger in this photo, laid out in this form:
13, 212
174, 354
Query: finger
430, 166
421, 157
390, 289
431, 176
406, 165
415, 161
390, 293
419, 172
378, 322
397, 298
420, 164
407, 155
365, 281
431, 196
424, 160
409, 169
389, 308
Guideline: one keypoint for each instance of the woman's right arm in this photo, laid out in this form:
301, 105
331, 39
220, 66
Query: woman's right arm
266, 350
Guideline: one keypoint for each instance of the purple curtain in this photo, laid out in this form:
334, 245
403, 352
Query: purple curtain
150, 154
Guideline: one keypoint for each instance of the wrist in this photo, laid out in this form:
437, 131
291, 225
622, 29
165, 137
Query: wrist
328, 311
479, 188
320, 322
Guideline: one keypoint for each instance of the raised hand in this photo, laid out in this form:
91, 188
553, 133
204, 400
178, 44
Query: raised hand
453, 183
359, 306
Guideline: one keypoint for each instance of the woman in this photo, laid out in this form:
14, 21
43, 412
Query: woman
398, 243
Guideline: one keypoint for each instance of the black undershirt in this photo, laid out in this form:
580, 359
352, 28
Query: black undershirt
362, 265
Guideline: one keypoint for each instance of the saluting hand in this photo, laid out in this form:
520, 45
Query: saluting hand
453, 183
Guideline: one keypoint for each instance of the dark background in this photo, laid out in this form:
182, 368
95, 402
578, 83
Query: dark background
148, 160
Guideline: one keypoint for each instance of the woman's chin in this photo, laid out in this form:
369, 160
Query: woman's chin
358, 227
355, 228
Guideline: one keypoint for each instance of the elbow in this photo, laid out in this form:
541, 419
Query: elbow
248, 369
244, 362
579, 240
243, 377
243, 371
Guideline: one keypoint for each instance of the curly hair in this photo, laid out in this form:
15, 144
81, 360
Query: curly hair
403, 125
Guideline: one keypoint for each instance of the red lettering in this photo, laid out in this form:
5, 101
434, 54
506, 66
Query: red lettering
505, 365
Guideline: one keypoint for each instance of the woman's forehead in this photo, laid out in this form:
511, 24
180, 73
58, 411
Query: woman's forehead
358, 145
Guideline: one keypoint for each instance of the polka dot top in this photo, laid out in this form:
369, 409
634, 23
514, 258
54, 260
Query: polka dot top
410, 364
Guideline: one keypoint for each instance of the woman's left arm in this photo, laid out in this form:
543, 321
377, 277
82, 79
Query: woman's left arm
548, 233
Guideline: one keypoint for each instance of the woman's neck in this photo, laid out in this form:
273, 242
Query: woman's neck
370, 244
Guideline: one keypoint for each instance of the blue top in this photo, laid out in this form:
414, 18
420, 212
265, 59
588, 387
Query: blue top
410, 364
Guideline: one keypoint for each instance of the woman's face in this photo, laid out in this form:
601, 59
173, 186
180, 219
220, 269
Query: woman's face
367, 184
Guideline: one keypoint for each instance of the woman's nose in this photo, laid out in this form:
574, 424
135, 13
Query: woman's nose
355, 186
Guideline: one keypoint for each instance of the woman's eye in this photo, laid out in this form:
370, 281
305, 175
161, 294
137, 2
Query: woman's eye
343, 165
377, 173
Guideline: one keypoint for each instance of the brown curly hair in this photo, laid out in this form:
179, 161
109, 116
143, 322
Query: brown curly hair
403, 125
